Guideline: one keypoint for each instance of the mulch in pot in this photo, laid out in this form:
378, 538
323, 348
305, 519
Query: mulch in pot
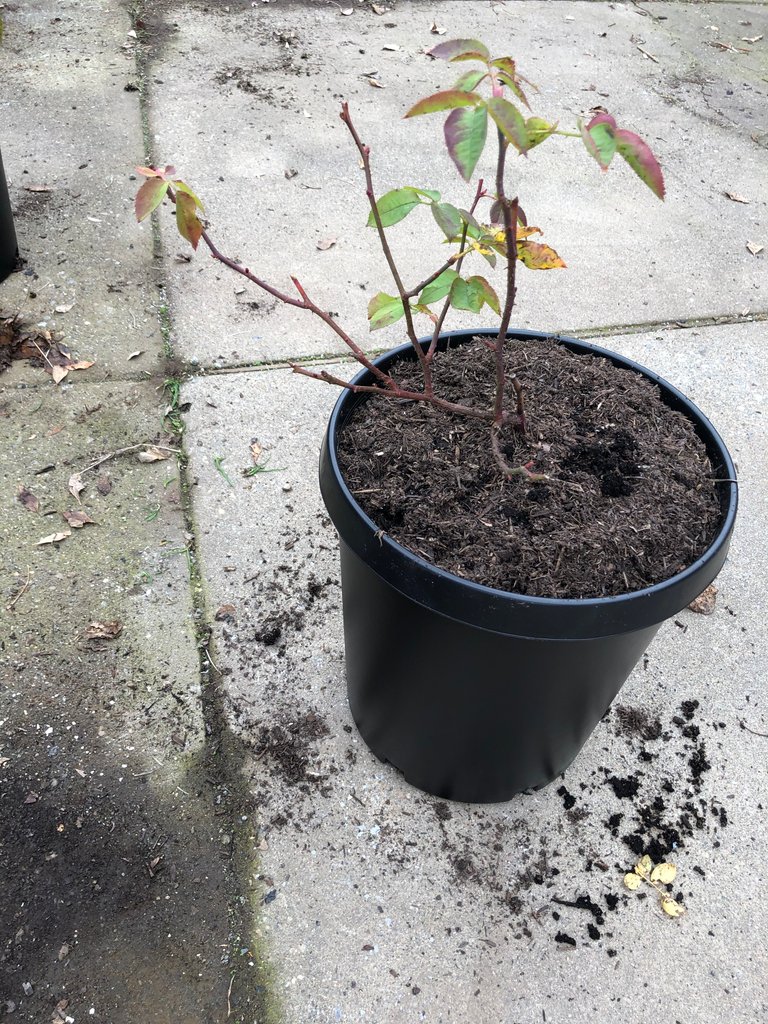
630, 499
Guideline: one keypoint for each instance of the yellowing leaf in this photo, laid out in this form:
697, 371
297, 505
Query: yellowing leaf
632, 881
672, 907
537, 256
664, 873
644, 866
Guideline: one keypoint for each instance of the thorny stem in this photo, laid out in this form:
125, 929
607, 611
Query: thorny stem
399, 394
303, 302
365, 154
479, 194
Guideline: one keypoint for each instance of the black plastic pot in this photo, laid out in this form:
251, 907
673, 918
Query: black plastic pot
8, 247
477, 694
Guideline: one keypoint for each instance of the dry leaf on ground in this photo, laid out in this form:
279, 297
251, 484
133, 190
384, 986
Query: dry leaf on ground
103, 484
59, 373
735, 197
55, 538
152, 454
672, 907
27, 499
63, 309
256, 450
704, 604
78, 519
755, 247
31, 797
437, 30
326, 243
103, 630
664, 873
75, 485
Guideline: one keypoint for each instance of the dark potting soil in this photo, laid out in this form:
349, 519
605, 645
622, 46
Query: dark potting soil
629, 502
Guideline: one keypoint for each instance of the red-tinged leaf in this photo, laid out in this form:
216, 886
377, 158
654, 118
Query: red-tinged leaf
523, 231
186, 219
642, 161
446, 100
510, 121
470, 80
602, 117
394, 206
536, 256
149, 197
384, 310
508, 75
465, 132
439, 288
150, 172
538, 130
448, 219
489, 294
182, 186
599, 138
460, 49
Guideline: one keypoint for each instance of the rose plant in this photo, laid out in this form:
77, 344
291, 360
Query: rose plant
478, 689
502, 231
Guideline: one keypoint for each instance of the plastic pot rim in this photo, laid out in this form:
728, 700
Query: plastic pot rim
505, 611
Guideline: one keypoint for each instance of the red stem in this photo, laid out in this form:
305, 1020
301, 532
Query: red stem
365, 153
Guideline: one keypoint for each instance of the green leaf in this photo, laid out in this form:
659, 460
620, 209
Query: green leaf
429, 192
448, 219
439, 288
186, 219
149, 197
510, 121
465, 132
467, 294
599, 139
489, 294
182, 186
446, 100
642, 161
384, 310
460, 49
538, 130
394, 206
470, 80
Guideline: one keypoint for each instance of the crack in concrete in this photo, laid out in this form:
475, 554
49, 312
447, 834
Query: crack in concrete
224, 755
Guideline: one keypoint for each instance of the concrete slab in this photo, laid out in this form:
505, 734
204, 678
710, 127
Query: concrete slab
113, 856
268, 82
384, 904
72, 135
